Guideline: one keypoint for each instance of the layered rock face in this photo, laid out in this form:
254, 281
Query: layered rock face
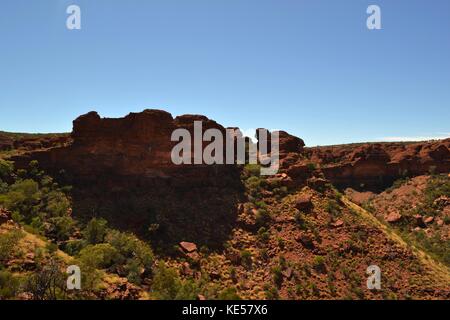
31, 142
121, 169
376, 166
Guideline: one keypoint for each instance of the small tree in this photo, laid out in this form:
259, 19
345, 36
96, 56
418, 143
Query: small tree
95, 231
48, 283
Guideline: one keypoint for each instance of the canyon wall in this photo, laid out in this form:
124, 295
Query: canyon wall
375, 166
121, 169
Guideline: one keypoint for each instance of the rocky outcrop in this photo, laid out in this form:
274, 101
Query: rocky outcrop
5, 215
6, 143
29, 142
287, 143
376, 166
121, 169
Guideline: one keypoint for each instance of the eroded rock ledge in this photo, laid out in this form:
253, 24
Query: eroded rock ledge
375, 166
121, 169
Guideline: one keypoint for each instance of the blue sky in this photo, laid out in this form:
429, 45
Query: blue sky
309, 67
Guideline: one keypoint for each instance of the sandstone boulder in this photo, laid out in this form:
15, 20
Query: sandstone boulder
303, 202
393, 217
5, 215
428, 220
338, 223
188, 247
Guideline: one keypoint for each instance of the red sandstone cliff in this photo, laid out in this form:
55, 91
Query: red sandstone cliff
122, 169
377, 165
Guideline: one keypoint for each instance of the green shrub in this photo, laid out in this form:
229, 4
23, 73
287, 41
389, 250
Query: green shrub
277, 275
437, 186
333, 208
9, 285
246, 257
229, 294
262, 217
252, 170
260, 204
63, 226
56, 203
447, 219
319, 262
280, 192
8, 244
131, 249
167, 285
271, 293
95, 231
6, 169
300, 220
99, 256
23, 197
73, 247
263, 234
281, 243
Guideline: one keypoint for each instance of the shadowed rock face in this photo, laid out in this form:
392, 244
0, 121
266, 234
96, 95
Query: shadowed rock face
121, 169
30, 142
376, 166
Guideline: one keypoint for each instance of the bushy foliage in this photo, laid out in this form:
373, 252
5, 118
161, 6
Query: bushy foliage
437, 186
277, 275
263, 234
319, 262
133, 255
246, 257
437, 243
333, 208
6, 169
167, 285
36, 200
9, 285
229, 294
95, 231
120, 252
311, 166
62, 226
8, 244
23, 197
252, 170
262, 217
73, 247
99, 256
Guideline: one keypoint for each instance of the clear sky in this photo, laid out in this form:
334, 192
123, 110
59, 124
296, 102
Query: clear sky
310, 67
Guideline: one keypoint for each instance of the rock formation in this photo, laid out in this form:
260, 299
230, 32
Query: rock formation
121, 169
376, 166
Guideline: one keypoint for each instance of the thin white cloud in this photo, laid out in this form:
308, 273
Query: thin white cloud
416, 138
